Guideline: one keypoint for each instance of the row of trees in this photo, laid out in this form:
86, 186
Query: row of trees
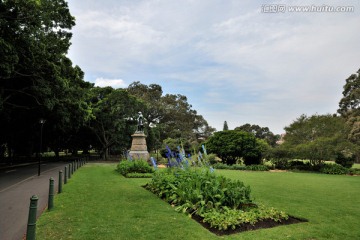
38, 81
316, 138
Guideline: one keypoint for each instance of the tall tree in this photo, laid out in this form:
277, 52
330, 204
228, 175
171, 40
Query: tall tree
349, 107
232, 146
34, 39
112, 109
317, 138
260, 132
225, 127
170, 116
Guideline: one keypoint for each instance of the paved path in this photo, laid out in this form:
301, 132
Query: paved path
17, 185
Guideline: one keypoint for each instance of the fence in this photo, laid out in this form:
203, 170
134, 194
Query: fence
64, 177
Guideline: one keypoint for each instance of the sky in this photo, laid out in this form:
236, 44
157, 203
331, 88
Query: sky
258, 62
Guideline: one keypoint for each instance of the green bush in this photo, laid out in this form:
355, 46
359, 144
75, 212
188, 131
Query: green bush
137, 166
222, 202
139, 175
345, 159
354, 171
334, 169
233, 218
257, 168
280, 163
197, 191
221, 166
241, 167
300, 165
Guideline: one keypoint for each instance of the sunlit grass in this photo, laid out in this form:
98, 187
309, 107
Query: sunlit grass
98, 203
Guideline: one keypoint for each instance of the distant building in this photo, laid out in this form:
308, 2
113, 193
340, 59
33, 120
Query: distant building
281, 140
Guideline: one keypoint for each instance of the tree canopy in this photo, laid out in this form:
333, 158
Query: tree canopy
232, 146
260, 133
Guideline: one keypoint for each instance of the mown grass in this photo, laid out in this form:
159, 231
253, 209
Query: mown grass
98, 203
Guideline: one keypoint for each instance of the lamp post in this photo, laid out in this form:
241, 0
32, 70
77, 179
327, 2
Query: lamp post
41, 121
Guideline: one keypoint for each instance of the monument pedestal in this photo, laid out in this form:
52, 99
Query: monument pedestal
138, 146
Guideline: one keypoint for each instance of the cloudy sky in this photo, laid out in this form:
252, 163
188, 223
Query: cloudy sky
256, 62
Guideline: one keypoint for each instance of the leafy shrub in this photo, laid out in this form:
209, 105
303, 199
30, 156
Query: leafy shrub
139, 175
232, 218
354, 171
257, 168
212, 158
241, 167
221, 166
238, 167
300, 165
138, 166
280, 163
345, 159
222, 202
334, 169
198, 191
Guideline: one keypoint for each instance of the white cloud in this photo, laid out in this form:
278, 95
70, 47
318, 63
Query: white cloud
236, 63
115, 83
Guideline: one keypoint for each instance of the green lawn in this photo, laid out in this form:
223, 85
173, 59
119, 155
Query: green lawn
98, 203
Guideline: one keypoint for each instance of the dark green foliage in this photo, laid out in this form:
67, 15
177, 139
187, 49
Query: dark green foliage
334, 169
233, 145
234, 218
345, 159
316, 138
260, 133
139, 175
198, 191
241, 167
222, 202
137, 166
280, 163
354, 171
225, 127
300, 165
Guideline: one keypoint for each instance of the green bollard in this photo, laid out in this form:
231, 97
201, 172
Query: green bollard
60, 182
51, 194
65, 175
31, 226
73, 167
70, 170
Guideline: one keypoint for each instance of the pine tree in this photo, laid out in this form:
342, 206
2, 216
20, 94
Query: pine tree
225, 126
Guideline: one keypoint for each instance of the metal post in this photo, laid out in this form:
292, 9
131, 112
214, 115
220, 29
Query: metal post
70, 167
51, 194
41, 121
60, 182
31, 226
65, 175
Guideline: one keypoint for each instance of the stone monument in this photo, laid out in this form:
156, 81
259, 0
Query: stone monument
138, 146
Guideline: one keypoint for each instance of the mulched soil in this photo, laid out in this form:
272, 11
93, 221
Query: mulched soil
268, 223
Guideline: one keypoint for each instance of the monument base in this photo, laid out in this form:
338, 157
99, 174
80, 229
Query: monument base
138, 147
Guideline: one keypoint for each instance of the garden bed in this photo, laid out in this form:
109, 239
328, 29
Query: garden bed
266, 223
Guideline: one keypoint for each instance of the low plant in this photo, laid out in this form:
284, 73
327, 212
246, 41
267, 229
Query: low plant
139, 175
133, 166
220, 201
257, 168
334, 169
345, 158
198, 190
228, 218
241, 167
